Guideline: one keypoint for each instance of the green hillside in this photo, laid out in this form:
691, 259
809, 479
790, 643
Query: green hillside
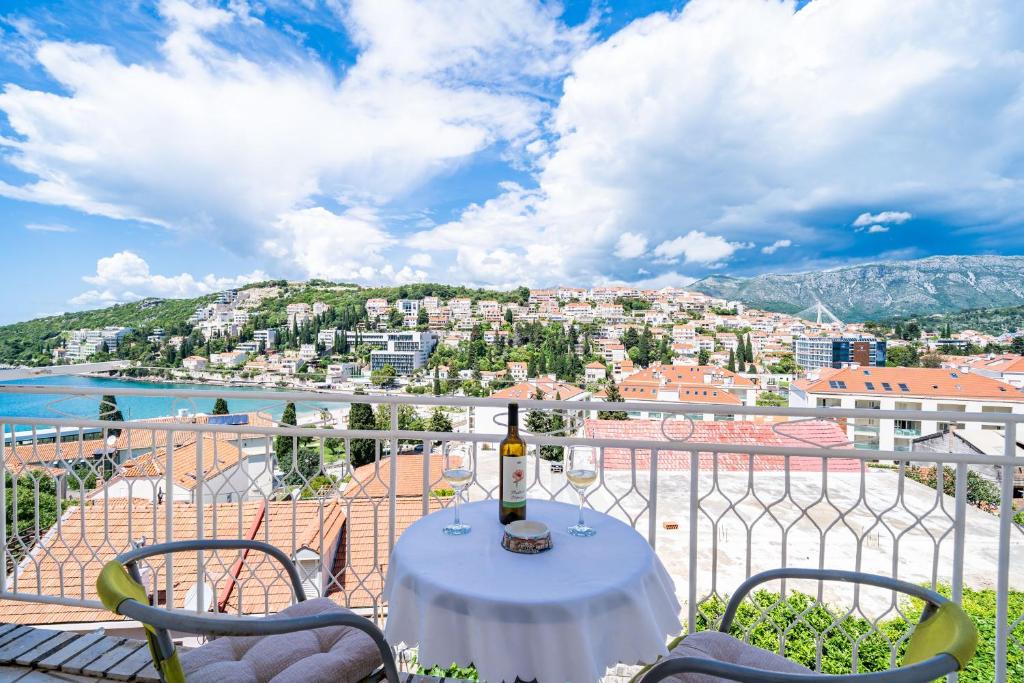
30, 342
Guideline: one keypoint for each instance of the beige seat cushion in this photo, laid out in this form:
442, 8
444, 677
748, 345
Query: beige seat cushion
725, 648
334, 654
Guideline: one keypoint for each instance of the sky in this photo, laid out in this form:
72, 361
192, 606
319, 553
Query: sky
171, 148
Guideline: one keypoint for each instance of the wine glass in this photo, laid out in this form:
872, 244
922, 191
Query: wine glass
458, 471
581, 471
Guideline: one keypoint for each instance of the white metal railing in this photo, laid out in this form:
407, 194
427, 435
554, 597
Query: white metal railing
716, 511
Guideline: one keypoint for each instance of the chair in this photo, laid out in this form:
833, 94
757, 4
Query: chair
943, 641
312, 640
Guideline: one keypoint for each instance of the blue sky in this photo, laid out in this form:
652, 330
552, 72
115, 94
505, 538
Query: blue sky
174, 147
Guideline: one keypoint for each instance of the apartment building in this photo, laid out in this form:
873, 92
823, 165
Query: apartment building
326, 338
84, 343
376, 307
926, 389
299, 313
838, 352
406, 351
229, 359
266, 337
461, 308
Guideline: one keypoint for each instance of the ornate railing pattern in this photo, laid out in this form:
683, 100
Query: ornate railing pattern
716, 512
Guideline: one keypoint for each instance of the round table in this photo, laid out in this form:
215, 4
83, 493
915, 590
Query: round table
562, 616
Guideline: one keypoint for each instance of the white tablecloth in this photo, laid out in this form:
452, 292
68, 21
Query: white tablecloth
563, 616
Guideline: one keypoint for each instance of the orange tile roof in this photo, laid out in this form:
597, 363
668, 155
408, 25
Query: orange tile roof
138, 437
919, 382
373, 480
548, 388
50, 457
70, 556
219, 454
362, 563
261, 585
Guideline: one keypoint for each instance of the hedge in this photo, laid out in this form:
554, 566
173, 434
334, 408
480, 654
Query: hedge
873, 645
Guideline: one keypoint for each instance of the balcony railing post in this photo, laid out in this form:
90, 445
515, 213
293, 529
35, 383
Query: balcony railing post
1003, 575
959, 530
201, 519
652, 501
169, 513
3, 502
691, 620
393, 479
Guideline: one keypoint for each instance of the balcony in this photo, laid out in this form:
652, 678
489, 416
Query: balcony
718, 501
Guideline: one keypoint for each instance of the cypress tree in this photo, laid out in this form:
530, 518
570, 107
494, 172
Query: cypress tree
220, 407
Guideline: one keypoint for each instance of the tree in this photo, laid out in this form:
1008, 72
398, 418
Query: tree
437, 382
630, 338
703, 357
220, 407
1017, 345
902, 356
29, 515
731, 365
749, 353
770, 398
537, 420
284, 445
508, 316
931, 360
360, 416
383, 376
644, 347
612, 395
422, 317
396, 319
741, 353
439, 421
786, 365
110, 412
556, 424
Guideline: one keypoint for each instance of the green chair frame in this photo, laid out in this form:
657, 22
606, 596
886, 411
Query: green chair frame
121, 591
943, 641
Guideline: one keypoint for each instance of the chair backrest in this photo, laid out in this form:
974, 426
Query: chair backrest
945, 630
115, 585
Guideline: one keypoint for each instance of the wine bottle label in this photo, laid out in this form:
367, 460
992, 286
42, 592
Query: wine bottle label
513, 473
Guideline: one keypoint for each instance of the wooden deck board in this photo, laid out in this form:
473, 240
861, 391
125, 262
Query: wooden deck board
33, 637
30, 657
70, 650
111, 658
78, 663
126, 669
16, 632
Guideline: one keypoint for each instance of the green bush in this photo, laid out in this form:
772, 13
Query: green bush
806, 622
1018, 518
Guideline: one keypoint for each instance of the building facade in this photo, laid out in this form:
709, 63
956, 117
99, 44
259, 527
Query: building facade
838, 352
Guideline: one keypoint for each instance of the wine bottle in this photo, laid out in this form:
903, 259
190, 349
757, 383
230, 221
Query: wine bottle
512, 455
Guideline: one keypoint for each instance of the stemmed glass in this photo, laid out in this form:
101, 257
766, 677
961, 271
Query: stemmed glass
581, 471
458, 471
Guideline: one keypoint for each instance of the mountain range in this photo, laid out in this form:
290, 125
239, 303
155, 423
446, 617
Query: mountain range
883, 290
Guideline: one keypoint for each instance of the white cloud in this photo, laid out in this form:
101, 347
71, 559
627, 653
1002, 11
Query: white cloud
421, 260
231, 146
667, 279
894, 217
775, 246
696, 247
878, 228
126, 276
748, 118
319, 243
631, 245
49, 227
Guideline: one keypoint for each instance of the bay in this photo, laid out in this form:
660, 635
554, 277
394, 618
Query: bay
56, 406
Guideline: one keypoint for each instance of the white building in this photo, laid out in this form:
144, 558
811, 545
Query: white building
924, 389
194, 363
307, 352
229, 359
405, 351
266, 337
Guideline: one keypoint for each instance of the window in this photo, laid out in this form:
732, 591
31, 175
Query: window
953, 375
886, 386
904, 387
870, 386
